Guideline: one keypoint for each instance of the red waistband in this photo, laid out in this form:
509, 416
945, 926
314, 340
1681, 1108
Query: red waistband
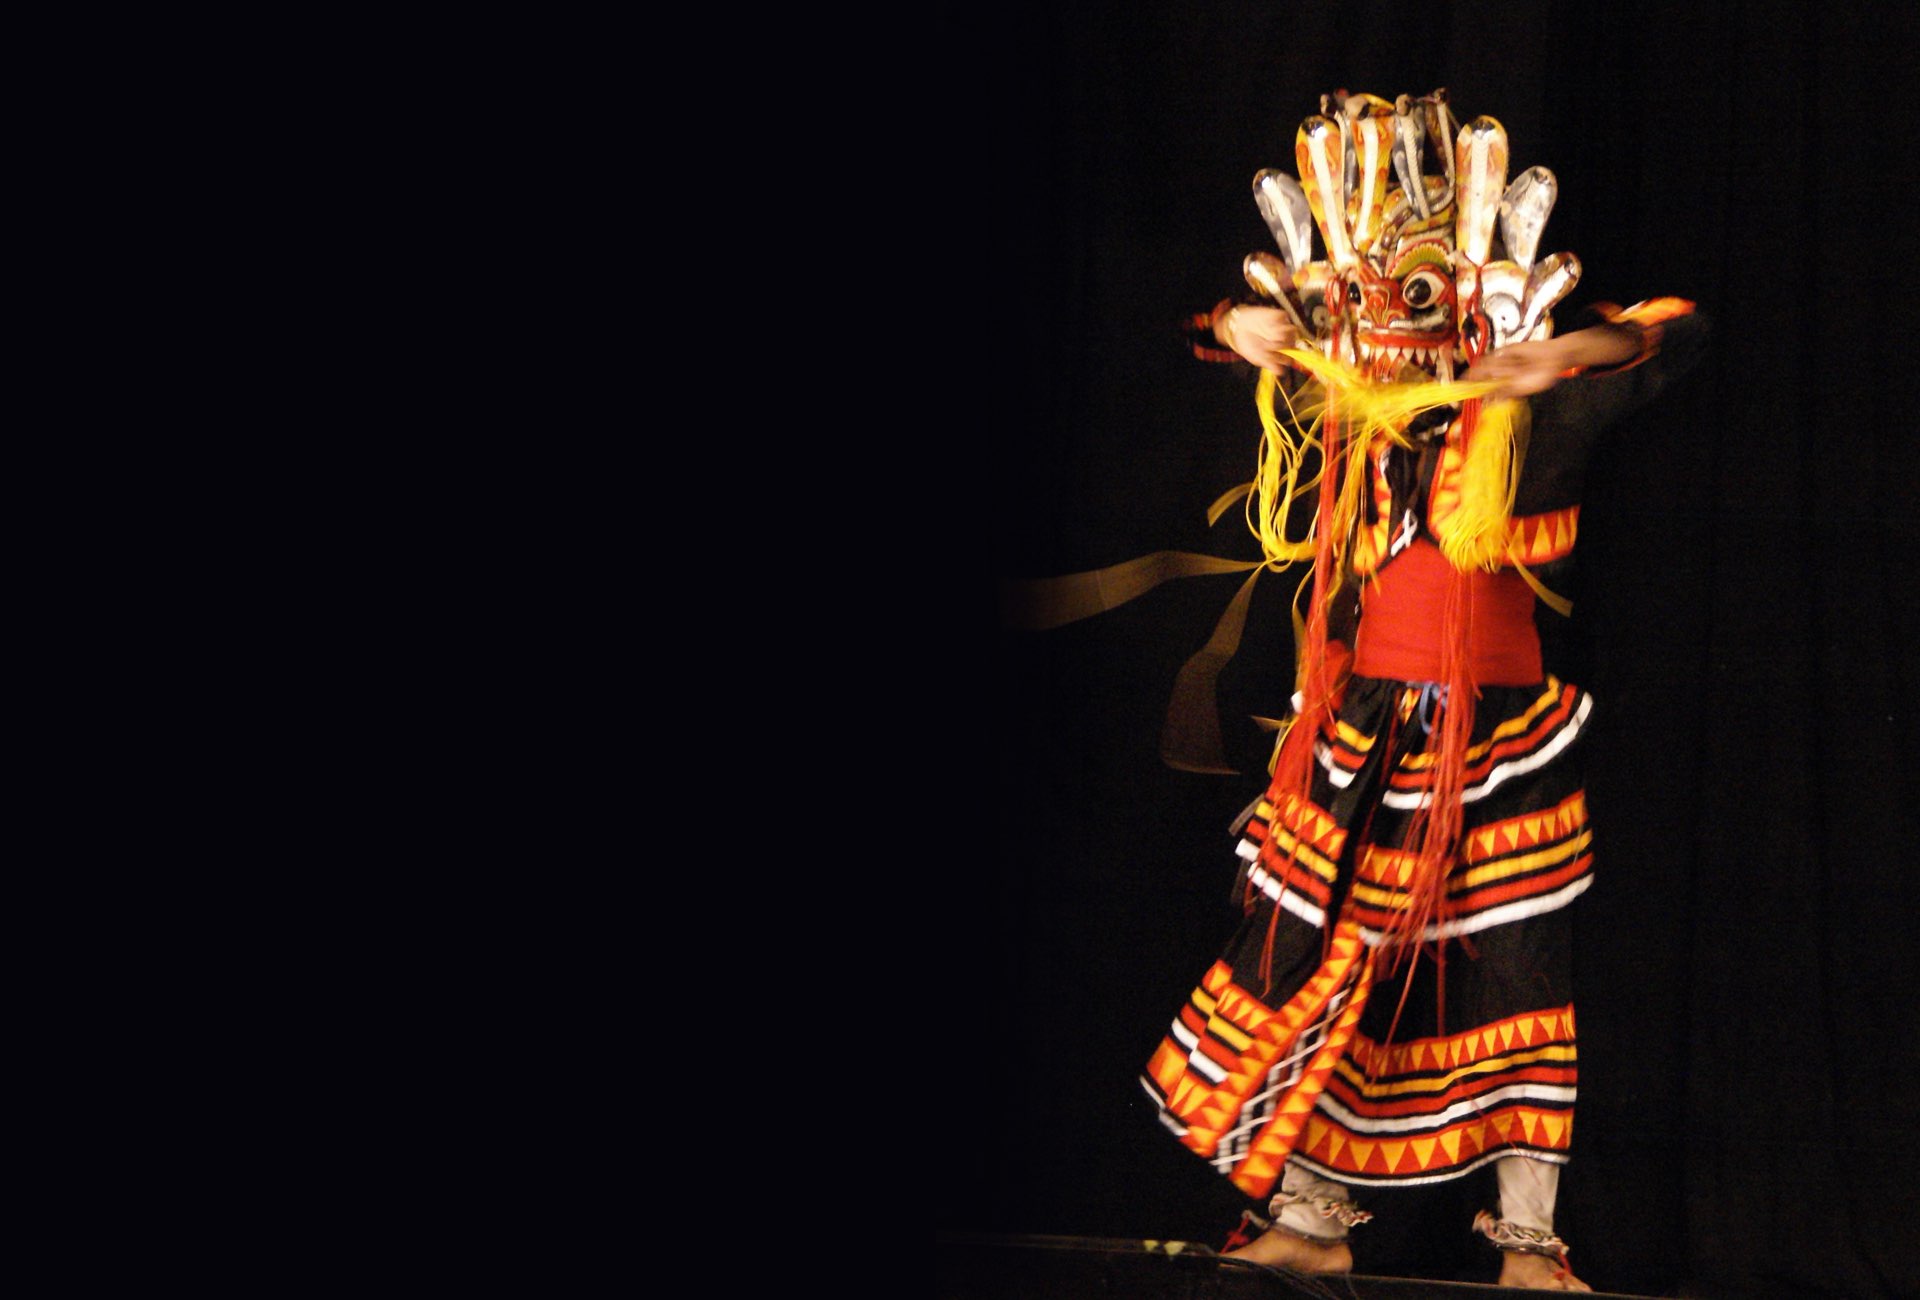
1404, 609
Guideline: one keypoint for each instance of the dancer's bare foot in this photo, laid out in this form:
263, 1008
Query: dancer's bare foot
1278, 1249
1537, 1272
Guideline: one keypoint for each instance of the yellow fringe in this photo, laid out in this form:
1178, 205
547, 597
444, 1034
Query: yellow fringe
1476, 534
1381, 407
1276, 475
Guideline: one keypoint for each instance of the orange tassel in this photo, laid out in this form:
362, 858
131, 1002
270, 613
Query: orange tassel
1433, 834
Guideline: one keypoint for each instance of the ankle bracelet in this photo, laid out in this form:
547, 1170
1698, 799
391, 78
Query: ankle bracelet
1345, 1213
1522, 1240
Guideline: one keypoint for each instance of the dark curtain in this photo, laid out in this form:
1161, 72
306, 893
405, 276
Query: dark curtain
1744, 611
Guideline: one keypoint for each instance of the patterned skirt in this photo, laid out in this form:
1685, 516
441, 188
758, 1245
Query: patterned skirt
1318, 1036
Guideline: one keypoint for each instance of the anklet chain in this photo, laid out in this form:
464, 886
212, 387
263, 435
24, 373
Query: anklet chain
1345, 1213
1511, 1236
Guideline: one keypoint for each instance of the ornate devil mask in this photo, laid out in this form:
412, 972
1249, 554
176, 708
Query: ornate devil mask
1406, 207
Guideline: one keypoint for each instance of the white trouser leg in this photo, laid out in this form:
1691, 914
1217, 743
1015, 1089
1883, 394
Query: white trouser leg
1305, 1216
1528, 1189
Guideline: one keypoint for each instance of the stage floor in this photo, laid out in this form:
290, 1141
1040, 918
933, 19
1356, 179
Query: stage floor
981, 1267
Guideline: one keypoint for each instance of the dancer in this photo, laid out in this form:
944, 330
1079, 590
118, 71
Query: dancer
1395, 1007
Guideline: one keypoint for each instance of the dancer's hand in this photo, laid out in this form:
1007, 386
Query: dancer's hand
1258, 334
1534, 366
1522, 369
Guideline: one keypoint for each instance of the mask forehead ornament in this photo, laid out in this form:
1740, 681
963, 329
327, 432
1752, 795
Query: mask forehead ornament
1407, 206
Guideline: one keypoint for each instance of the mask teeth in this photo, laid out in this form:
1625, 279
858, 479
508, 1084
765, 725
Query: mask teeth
1425, 357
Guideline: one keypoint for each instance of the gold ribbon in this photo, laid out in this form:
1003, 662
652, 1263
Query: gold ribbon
1037, 604
1552, 600
1190, 738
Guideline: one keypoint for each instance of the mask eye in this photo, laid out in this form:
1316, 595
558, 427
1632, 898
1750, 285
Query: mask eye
1422, 288
1353, 293
1503, 313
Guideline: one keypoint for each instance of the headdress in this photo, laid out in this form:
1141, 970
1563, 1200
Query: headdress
1407, 208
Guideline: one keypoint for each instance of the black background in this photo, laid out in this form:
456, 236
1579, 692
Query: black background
1745, 598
